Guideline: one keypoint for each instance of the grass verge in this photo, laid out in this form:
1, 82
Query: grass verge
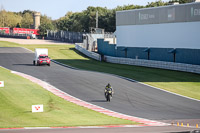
187, 84
19, 94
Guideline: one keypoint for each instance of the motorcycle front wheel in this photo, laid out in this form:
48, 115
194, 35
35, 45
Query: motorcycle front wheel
108, 98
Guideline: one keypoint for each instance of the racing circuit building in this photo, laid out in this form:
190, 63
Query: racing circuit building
169, 33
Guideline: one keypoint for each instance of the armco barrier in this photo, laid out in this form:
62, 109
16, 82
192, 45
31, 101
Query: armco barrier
88, 53
146, 63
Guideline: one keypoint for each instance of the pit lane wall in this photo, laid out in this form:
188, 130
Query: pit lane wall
140, 62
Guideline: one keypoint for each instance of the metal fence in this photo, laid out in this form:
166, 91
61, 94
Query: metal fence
65, 36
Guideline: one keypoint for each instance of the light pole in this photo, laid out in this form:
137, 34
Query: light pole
97, 19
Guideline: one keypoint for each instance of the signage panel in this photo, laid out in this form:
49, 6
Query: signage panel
37, 108
1, 83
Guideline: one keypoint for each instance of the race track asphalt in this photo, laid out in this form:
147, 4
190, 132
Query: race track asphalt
130, 98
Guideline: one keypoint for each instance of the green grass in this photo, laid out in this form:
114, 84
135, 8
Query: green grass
19, 94
8, 44
187, 84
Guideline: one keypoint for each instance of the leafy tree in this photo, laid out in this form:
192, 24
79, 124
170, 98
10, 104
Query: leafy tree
63, 23
13, 19
27, 11
82, 21
18, 25
27, 20
184, 1
128, 7
157, 4
75, 22
9, 19
3, 17
46, 24
24, 12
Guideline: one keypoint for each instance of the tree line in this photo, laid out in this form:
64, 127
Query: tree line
73, 21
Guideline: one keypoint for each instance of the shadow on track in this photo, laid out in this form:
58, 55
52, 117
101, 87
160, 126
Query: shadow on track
23, 65
97, 101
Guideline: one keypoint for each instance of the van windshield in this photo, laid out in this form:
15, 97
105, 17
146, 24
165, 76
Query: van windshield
43, 56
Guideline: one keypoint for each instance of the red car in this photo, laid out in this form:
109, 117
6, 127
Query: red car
43, 60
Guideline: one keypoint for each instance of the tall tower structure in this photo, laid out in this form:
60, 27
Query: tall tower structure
36, 20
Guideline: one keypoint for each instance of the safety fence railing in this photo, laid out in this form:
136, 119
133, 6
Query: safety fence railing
139, 62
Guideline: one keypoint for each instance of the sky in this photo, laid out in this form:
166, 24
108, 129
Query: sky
58, 8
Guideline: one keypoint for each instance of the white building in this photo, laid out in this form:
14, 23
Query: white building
175, 26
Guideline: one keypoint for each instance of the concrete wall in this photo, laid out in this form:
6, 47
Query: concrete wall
88, 53
155, 64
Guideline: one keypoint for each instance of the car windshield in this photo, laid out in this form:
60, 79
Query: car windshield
43, 56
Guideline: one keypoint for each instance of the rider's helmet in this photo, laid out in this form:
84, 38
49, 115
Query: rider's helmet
108, 85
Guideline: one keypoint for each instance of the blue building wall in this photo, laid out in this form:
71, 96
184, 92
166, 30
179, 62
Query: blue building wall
120, 52
161, 54
105, 48
136, 52
100, 46
188, 56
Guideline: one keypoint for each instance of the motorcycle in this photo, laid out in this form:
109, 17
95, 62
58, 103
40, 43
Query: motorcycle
108, 95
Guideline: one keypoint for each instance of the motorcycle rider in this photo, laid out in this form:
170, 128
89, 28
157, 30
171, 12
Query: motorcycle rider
109, 88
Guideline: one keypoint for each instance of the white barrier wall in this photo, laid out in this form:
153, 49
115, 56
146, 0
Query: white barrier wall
155, 64
145, 63
88, 53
